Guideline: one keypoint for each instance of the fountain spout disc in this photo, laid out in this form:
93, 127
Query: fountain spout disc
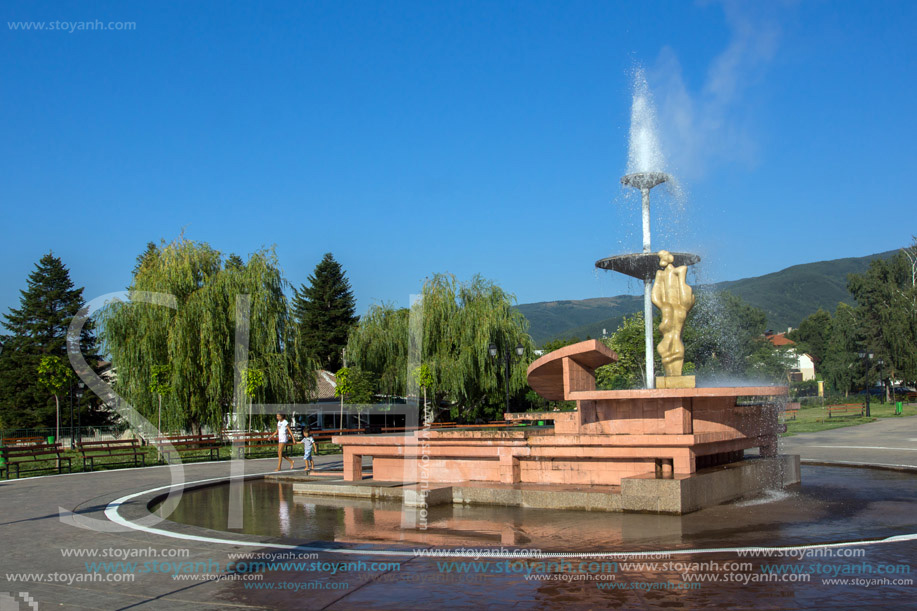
644, 265
645, 180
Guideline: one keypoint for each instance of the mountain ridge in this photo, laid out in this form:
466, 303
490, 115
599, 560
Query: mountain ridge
787, 296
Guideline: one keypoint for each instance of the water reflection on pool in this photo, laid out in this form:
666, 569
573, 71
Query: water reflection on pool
832, 504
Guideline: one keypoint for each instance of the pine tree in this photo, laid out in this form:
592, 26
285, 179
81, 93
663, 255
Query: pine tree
147, 256
38, 328
325, 312
233, 261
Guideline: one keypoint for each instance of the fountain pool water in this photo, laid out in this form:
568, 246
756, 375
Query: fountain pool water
834, 504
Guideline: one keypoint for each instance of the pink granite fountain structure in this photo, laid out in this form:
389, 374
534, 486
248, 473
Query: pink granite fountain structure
649, 450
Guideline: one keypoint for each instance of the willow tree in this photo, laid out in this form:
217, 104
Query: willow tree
380, 344
197, 338
460, 320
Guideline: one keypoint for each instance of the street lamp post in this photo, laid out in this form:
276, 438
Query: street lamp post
866, 357
72, 438
79, 395
881, 365
507, 359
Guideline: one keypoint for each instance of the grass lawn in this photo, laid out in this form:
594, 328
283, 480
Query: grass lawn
813, 419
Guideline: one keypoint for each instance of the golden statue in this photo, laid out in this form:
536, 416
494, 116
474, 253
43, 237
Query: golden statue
673, 296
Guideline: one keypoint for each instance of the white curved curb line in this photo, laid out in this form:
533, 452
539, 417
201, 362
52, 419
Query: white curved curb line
111, 512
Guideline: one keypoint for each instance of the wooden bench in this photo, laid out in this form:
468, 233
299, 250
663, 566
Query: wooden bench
911, 397
35, 455
125, 451
24, 441
791, 410
179, 444
845, 409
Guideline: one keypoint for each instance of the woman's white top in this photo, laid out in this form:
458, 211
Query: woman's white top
283, 431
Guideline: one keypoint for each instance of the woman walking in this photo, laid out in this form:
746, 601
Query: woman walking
284, 436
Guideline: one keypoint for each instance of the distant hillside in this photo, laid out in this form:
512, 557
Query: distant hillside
786, 296
550, 319
791, 294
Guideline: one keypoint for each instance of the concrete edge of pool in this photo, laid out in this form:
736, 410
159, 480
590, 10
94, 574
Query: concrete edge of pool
642, 493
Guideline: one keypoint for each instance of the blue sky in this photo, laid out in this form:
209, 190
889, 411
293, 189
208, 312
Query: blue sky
410, 138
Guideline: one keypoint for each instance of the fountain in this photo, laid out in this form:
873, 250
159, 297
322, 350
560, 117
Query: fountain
645, 165
674, 448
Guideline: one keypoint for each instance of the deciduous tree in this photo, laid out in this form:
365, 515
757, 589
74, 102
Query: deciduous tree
197, 338
885, 295
53, 376
840, 365
812, 335
460, 321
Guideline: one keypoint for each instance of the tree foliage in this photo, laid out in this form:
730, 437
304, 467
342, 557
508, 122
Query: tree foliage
53, 376
252, 381
557, 344
460, 320
812, 335
883, 322
324, 311
197, 338
724, 342
628, 342
159, 379
354, 385
423, 376
885, 297
837, 368
723, 333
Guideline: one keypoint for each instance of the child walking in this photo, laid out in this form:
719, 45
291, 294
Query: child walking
308, 443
